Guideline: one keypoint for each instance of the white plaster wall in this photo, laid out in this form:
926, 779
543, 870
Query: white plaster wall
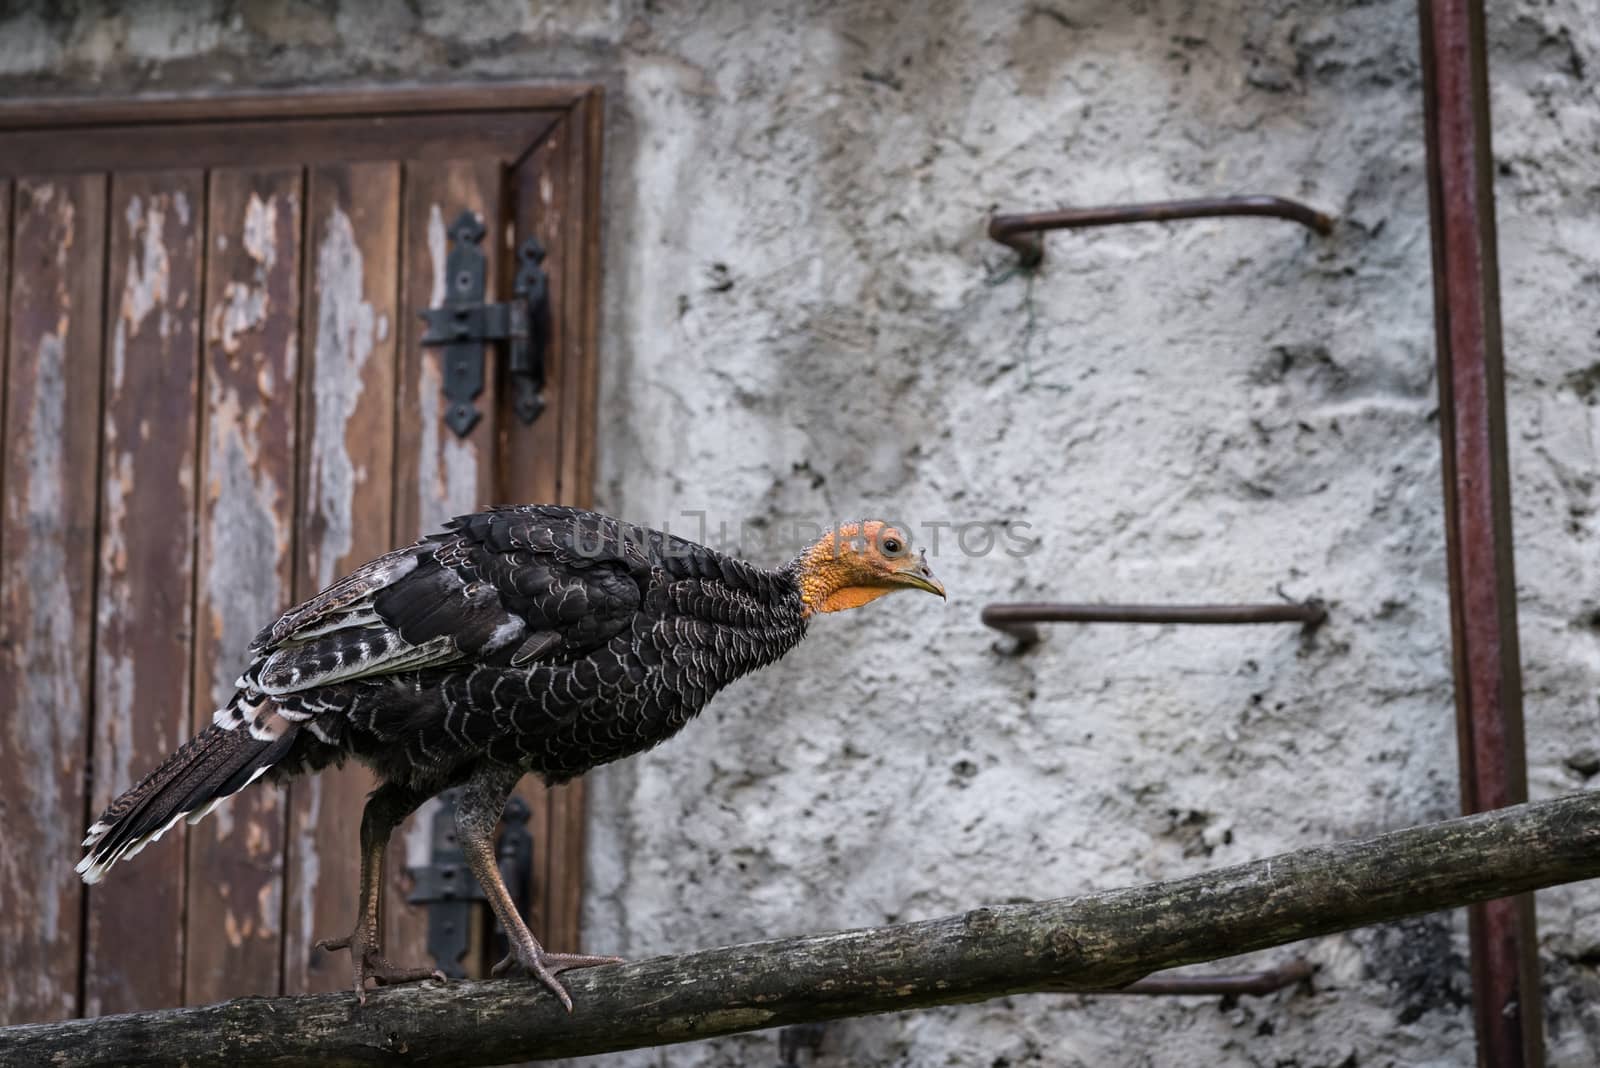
1546, 76
804, 321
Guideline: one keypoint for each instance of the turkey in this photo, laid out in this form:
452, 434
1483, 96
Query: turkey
521, 639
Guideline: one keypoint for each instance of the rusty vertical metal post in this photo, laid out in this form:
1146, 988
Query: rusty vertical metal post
1477, 494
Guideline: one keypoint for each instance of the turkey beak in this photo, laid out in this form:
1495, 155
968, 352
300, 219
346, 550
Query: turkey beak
916, 574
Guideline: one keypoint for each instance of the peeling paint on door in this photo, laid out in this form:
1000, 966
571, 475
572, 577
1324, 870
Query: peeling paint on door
245, 564
52, 695
346, 330
146, 289
133, 958
346, 505
46, 573
245, 305
309, 873
447, 485
249, 539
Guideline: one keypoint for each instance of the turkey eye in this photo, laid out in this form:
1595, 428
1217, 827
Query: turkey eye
892, 546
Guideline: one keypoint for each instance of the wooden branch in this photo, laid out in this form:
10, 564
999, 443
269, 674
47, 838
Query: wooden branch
1094, 942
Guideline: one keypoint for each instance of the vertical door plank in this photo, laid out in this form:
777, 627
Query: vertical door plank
580, 304
530, 456
553, 460
346, 481
581, 301
46, 578
437, 474
134, 956
5, 292
235, 890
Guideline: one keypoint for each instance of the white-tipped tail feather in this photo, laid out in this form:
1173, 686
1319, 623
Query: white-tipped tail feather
211, 767
95, 864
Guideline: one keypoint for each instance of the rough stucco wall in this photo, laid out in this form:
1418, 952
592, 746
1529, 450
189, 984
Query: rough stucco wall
803, 321
1546, 75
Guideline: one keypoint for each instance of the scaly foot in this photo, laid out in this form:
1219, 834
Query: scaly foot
533, 960
367, 963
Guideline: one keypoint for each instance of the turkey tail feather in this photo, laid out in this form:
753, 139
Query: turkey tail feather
211, 766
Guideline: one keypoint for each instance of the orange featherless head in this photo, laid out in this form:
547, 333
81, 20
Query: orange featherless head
859, 562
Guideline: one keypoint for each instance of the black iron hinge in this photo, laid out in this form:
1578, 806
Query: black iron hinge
464, 324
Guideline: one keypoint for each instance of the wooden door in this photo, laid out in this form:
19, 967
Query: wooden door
216, 402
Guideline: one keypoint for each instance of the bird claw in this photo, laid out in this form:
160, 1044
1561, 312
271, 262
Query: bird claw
546, 966
368, 963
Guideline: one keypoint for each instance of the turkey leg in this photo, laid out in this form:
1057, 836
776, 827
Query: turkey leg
387, 808
477, 813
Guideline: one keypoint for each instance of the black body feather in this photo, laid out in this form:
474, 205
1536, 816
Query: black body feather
541, 638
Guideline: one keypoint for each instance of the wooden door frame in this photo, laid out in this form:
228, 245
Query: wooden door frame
536, 129
60, 135
32, 113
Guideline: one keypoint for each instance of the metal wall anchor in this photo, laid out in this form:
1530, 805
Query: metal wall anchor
797, 1037
1021, 232
465, 324
808, 1036
1239, 985
1019, 620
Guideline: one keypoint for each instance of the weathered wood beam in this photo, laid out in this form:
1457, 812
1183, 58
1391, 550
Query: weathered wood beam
1093, 942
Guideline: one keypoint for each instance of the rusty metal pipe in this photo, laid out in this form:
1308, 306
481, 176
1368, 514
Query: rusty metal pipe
1018, 620
1477, 505
1244, 984
1021, 232
792, 1039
